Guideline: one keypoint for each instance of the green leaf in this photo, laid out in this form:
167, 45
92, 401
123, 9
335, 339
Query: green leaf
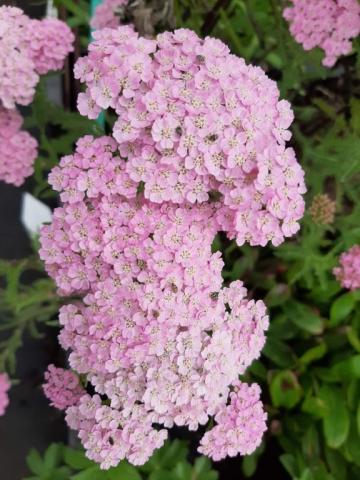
336, 422
160, 475
289, 463
336, 463
358, 419
75, 9
348, 369
124, 470
352, 445
52, 456
355, 114
314, 353
341, 308
213, 475
250, 462
34, 462
62, 473
310, 444
182, 471
279, 294
279, 353
172, 453
316, 472
93, 473
76, 459
202, 465
314, 406
304, 317
285, 389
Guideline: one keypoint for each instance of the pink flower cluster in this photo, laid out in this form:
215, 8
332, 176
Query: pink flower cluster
18, 148
348, 272
155, 333
328, 24
107, 14
194, 123
238, 423
62, 387
28, 48
50, 40
4, 387
18, 75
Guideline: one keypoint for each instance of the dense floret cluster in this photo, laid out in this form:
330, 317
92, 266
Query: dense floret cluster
4, 388
199, 147
237, 424
328, 24
28, 48
18, 149
107, 14
156, 333
18, 75
348, 272
50, 41
197, 122
62, 387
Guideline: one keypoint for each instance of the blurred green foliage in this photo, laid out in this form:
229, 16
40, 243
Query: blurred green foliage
60, 462
27, 301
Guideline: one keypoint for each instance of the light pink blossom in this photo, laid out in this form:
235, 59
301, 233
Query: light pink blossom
348, 272
62, 387
208, 123
18, 148
155, 330
4, 388
107, 14
328, 24
28, 48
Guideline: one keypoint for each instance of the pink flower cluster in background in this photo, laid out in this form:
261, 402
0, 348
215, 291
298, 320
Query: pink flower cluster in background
18, 148
348, 272
106, 14
50, 41
28, 48
194, 122
155, 333
4, 388
62, 387
328, 24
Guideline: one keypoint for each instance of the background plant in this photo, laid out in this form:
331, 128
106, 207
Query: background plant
60, 462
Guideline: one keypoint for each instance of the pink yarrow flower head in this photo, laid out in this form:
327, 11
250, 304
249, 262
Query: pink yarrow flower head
18, 75
50, 42
195, 122
156, 334
4, 388
348, 272
28, 48
107, 14
328, 24
239, 426
62, 387
18, 148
